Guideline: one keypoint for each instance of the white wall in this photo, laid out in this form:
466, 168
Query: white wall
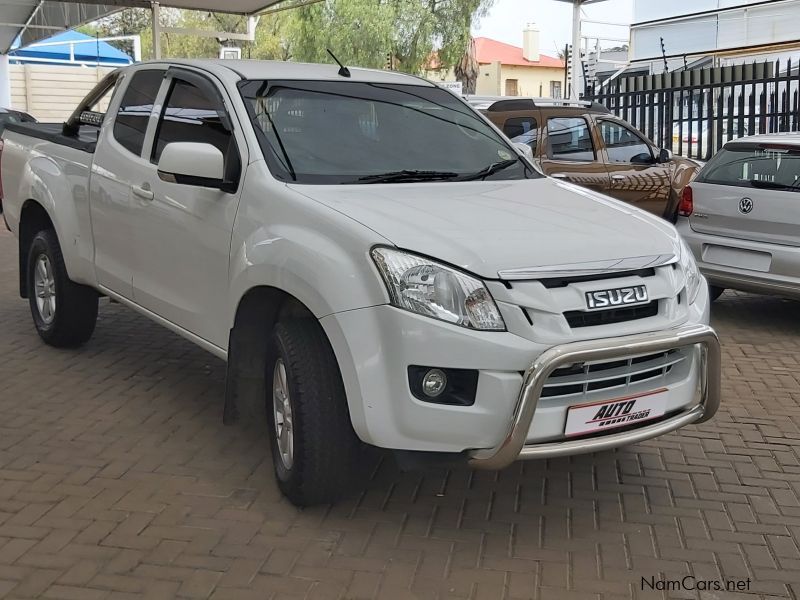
649, 10
758, 25
51, 93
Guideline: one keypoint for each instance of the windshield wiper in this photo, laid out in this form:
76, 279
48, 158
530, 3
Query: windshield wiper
773, 185
406, 176
490, 170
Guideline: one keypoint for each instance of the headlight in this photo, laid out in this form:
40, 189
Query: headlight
426, 287
693, 278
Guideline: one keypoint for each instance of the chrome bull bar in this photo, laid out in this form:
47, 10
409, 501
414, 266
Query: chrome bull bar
513, 445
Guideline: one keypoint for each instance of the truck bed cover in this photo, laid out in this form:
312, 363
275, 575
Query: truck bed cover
86, 140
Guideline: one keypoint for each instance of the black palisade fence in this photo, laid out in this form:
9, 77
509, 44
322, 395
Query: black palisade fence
694, 112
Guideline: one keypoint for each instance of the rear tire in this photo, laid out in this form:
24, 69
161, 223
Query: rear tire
314, 447
715, 292
63, 311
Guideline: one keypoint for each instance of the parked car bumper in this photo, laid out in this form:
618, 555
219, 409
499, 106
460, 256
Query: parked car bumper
508, 419
781, 278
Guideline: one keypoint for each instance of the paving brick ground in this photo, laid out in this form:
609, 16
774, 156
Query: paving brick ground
118, 480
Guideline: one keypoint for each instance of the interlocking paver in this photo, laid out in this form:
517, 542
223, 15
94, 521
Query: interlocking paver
118, 480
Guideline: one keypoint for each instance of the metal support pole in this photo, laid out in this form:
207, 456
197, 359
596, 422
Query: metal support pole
576, 49
5, 82
156, 10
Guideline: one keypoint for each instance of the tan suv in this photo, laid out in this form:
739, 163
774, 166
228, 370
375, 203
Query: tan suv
582, 142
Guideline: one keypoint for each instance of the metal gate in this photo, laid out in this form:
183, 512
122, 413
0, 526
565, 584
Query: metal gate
694, 112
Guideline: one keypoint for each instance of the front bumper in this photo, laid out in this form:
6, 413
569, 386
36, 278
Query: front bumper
374, 347
513, 446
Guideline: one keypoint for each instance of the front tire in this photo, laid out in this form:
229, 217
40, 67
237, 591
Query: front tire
314, 447
63, 311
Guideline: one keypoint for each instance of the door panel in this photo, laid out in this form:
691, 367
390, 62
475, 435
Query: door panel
185, 232
571, 155
117, 165
635, 175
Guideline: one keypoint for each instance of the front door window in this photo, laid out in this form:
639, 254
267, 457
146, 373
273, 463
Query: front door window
623, 145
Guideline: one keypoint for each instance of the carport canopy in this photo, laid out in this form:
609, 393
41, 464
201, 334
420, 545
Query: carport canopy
33, 20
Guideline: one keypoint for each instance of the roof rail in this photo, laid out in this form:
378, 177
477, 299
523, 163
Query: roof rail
508, 103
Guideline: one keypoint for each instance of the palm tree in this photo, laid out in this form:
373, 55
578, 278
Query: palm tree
467, 69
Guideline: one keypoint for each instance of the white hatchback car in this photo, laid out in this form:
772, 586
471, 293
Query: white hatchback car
741, 216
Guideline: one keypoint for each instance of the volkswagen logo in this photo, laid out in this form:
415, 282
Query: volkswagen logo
745, 205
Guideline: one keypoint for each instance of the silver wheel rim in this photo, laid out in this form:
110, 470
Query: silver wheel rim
45, 289
282, 411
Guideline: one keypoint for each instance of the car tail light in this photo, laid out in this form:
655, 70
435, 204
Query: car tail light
686, 207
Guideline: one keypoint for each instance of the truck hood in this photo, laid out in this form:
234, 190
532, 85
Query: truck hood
492, 226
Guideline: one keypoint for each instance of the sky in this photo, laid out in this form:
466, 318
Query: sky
507, 18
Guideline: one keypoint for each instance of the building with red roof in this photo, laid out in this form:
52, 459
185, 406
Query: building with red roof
508, 70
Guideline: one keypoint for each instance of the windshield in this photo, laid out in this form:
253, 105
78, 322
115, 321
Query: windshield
332, 132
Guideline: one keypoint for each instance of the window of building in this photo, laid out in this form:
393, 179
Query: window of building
555, 89
135, 108
568, 138
512, 87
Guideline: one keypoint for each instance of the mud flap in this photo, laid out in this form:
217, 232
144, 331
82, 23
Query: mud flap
245, 380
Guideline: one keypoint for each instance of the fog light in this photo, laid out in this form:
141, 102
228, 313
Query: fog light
434, 382
440, 385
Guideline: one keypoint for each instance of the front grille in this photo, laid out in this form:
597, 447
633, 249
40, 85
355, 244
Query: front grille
582, 378
559, 282
581, 318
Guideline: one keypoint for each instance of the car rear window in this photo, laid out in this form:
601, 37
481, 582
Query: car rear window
743, 164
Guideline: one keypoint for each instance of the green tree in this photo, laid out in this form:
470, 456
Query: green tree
360, 32
363, 32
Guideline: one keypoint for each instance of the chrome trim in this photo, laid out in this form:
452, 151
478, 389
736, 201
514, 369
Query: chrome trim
662, 364
600, 267
513, 445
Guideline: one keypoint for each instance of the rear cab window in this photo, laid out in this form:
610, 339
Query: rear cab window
569, 138
757, 165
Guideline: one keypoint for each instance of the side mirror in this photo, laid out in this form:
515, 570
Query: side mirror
665, 156
524, 149
643, 158
192, 163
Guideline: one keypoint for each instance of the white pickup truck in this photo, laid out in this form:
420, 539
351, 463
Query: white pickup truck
374, 260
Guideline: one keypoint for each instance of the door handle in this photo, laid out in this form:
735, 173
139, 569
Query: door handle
142, 191
618, 177
559, 175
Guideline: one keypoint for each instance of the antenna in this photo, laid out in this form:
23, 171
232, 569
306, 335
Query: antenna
343, 71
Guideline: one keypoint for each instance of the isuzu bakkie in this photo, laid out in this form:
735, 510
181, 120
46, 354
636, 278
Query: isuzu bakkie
376, 262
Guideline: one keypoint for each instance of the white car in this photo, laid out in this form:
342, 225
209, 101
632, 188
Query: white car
741, 216
372, 257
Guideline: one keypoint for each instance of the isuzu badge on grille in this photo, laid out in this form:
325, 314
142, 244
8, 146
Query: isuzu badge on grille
625, 296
